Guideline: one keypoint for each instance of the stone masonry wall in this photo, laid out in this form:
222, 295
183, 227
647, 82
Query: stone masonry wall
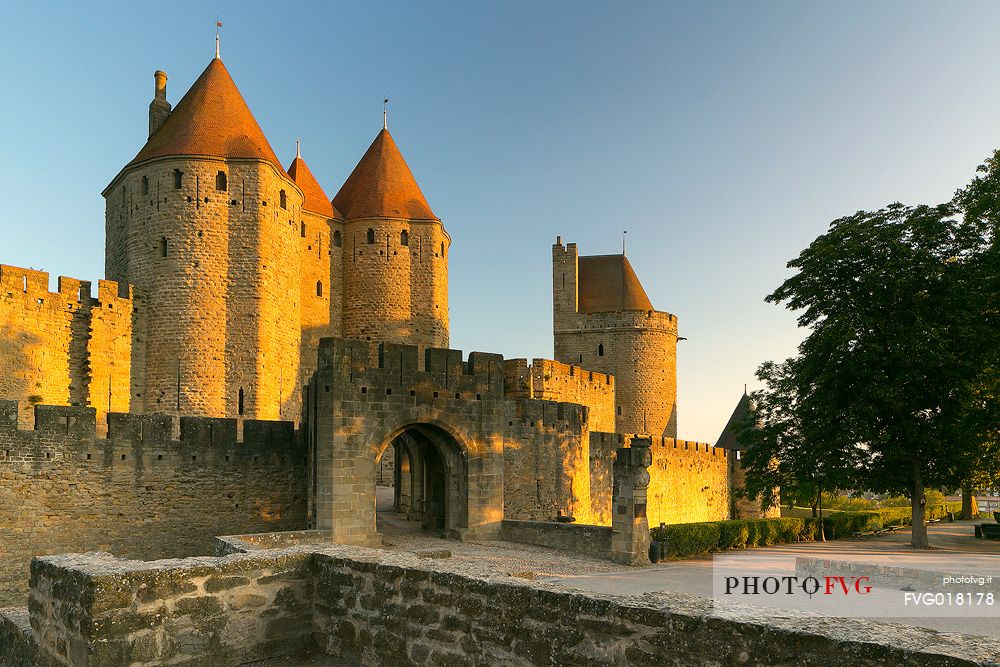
64, 347
580, 538
96, 610
545, 462
317, 288
393, 292
139, 493
366, 394
689, 481
220, 272
368, 607
553, 381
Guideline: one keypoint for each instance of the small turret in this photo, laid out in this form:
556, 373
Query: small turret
159, 108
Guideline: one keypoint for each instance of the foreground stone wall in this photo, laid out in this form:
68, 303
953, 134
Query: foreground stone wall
139, 493
362, 606
95, 610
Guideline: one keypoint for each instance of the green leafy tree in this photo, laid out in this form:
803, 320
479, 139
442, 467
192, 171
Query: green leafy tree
894, 301
791, 444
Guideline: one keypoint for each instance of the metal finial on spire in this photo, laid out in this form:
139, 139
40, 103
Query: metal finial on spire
385, 113
298, 148
624, 232
218, 24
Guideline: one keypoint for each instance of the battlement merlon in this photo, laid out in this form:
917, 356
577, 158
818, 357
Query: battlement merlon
622, 320
77, 426
369, 363
35, 285
676, 447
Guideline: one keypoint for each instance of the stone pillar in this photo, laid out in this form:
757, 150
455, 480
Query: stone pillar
629, 526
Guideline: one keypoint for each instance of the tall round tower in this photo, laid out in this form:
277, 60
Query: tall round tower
206, 224
603, 321
395, 253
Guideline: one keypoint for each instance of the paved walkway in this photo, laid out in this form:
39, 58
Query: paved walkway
952, 544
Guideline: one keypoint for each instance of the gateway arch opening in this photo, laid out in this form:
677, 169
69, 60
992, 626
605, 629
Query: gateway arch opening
429, 474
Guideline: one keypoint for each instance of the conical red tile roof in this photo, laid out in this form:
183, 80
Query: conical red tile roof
211, 119
315, 199
608, 283
382, 186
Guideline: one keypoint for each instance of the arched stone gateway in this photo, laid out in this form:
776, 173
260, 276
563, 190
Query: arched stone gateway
431, 479
446, 418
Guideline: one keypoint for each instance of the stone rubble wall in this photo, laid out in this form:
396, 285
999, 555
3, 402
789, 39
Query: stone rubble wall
96, 610
362, 606
139, 493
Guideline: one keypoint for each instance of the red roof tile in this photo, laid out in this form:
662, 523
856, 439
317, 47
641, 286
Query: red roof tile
315, 199
211, 119
382, 186
608, 283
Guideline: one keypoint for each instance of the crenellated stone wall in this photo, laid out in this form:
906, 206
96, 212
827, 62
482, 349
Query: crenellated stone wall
550, 380
140, 492
65, 347
689, 481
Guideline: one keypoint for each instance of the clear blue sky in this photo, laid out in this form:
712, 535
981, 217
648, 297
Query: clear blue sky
723, 136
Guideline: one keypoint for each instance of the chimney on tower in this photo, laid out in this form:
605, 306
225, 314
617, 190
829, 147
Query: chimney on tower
159, 108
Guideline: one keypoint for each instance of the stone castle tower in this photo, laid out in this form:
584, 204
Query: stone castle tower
603, 321
240, 267
395, 253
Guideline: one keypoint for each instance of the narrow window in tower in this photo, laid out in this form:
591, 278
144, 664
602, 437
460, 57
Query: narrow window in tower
163, 247
619, 410
404, 238
145, 185
178, 179
564, 280
337, 239
220, 181
319, 288
239, 404
371, 236
282, 200
600, 350
442, 248
302, 230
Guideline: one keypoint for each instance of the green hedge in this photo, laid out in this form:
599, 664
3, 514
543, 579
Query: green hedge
692, 539
848, 524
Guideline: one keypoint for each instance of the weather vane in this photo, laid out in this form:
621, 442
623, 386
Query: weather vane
218, 24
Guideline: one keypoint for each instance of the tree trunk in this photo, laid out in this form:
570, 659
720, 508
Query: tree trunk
969, 508
918, 502
819, 521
